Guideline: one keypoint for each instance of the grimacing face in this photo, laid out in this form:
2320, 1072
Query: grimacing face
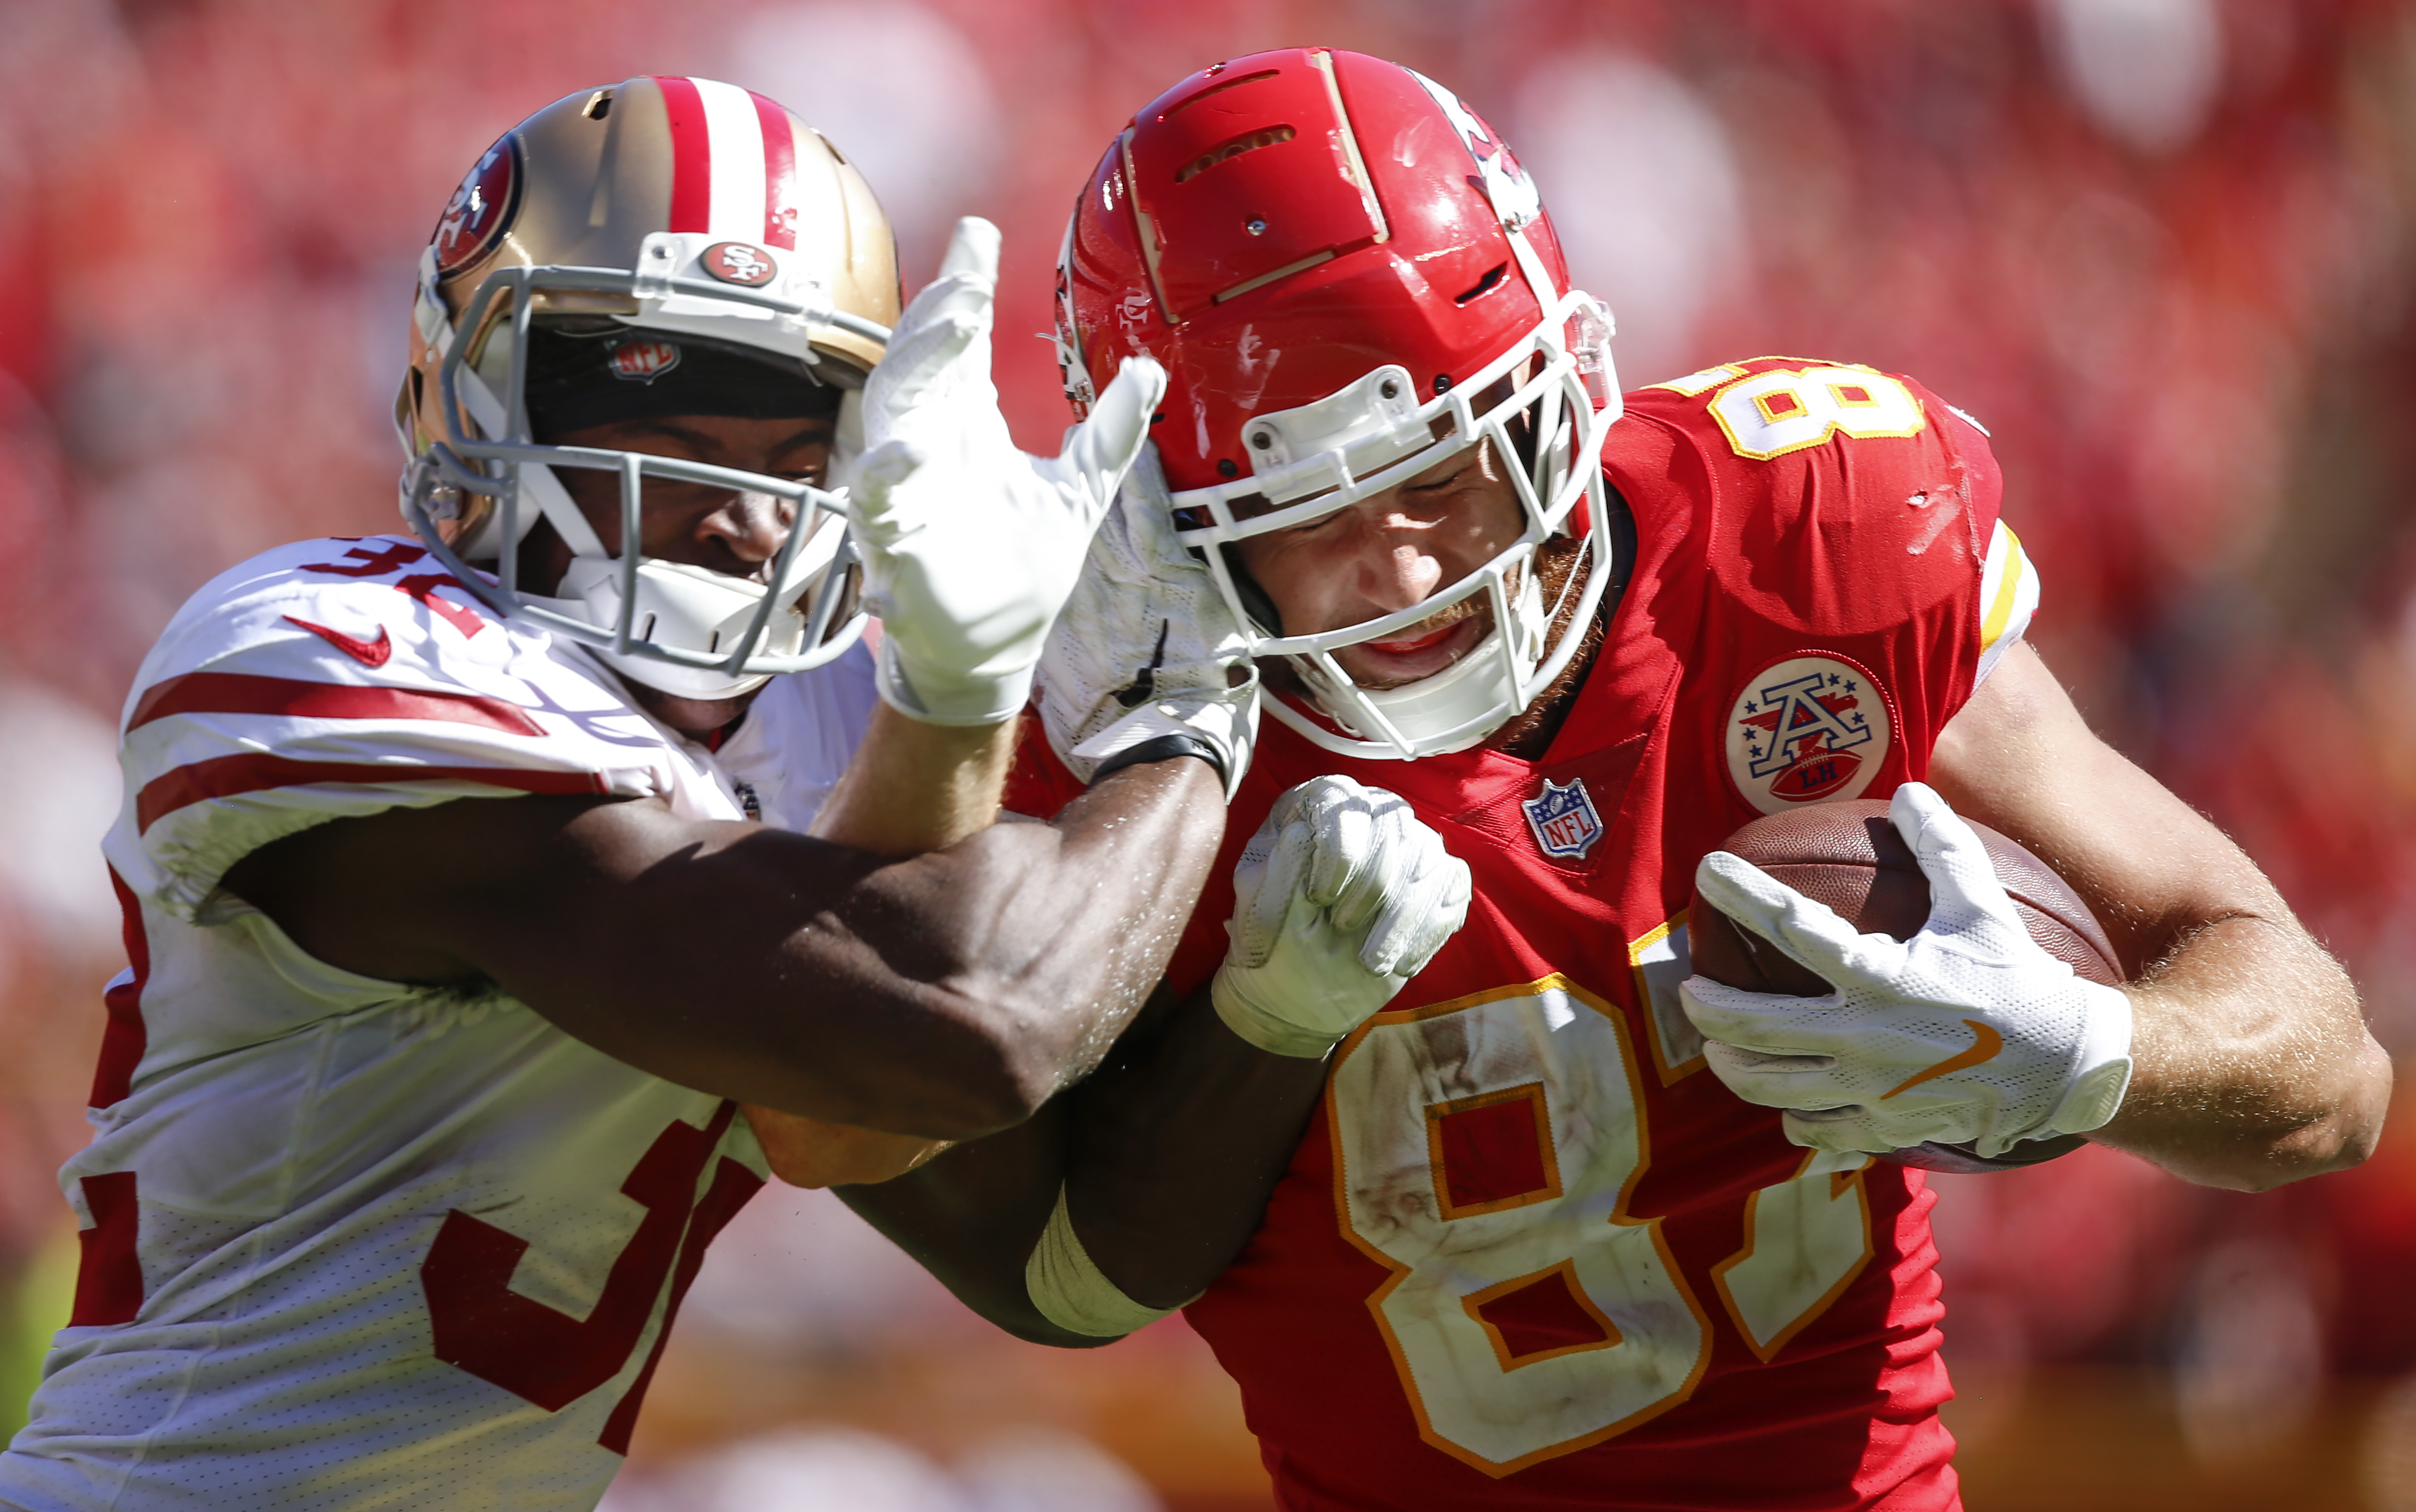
1386, 552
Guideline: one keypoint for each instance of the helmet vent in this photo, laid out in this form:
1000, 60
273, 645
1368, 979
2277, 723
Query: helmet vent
1226, 152
1220, 86
1485, 285
599, 105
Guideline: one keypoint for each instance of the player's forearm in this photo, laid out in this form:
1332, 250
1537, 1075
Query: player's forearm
943, 996
2252, 1063
951, 994
1049, 939
972, 1215
914, 787
1172, 1160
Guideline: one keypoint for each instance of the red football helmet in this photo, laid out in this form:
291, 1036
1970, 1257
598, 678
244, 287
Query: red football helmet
1348, 278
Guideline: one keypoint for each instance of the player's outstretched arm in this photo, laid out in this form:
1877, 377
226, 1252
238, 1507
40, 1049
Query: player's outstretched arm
2251, 1062
1128, 1195
942, 995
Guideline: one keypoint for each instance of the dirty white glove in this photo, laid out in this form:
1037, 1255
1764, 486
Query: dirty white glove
970, 547
1342, 896
1146, 654
1968, 1030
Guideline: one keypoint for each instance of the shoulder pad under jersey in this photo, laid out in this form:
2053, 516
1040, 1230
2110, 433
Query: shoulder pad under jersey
334, 679
1836, 496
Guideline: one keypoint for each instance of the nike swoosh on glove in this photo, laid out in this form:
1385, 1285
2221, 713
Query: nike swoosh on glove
970, 545
1341, 896
1146, 650
1968, 1030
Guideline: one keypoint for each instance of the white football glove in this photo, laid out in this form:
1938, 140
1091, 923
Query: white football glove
1968, 1030
970, 547
1146, 650
1342, 896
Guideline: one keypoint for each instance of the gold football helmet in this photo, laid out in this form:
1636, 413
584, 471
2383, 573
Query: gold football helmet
660, 220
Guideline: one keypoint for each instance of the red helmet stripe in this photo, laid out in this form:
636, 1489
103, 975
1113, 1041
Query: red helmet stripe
692, 154
780, 173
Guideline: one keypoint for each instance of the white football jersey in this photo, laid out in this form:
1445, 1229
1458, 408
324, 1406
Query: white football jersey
350, 1243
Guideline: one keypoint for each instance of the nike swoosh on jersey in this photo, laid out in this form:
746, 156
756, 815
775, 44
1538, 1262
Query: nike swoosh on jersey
368, 653
1986, 1043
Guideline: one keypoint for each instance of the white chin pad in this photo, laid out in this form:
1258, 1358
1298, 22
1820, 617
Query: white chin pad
689, 608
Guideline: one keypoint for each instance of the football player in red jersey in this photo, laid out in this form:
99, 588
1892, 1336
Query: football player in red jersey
1564, 1228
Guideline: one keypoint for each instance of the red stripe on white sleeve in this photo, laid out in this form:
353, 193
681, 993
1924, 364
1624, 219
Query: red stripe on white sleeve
236, 693
109, 1268
780, 173
692, 154
224, 776
125, 1038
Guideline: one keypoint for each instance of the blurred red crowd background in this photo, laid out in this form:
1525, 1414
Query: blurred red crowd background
2165, 250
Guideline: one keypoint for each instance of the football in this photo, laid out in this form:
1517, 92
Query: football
1849, 857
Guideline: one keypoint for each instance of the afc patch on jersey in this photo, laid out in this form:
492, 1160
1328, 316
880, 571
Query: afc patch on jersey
1804, 729
1564, 819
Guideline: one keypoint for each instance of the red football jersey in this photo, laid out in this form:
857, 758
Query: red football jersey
1531, 1253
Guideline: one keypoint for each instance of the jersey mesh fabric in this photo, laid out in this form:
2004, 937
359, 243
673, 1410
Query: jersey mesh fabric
1448, 1307
300, 1139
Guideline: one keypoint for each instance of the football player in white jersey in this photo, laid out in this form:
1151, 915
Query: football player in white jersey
464, 1005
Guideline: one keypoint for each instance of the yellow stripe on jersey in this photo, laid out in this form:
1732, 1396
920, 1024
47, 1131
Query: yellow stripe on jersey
2007, 566
2009, 592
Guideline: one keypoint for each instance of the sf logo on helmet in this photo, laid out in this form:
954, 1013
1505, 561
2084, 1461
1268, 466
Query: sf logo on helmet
479, 210
738, 261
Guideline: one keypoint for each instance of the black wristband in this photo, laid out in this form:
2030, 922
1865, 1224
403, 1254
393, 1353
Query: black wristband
1163, 748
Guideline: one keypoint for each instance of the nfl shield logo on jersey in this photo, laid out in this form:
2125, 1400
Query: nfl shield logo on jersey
1564, 819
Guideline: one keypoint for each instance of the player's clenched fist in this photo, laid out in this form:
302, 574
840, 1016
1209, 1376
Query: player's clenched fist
1341, 896
1967, 1032
970, 547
